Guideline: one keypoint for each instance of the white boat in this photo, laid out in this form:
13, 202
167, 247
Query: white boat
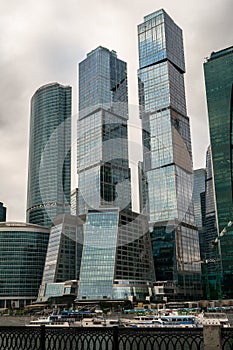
162, 321
98, 322
48, 322
213, 318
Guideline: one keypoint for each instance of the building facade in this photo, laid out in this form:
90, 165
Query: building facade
199, 183
167, 155
2, 212
74, 202
22, 256
102, 147
117, 261
210, 232
218, 71
64, 253
49, 171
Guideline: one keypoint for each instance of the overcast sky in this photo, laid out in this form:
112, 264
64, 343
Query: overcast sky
42, 41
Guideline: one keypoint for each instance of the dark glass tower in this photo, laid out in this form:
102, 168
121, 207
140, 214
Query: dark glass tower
218, 71
167, 154
199, 180
102, 148
49, 171
2, 212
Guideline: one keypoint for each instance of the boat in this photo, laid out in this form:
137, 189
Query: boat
98, 321
185, 321
213, 318
48, 322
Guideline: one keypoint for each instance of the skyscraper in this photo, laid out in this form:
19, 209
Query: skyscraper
49, 171
210, 230
102, 147
199, 182
116, 260
167, 154
2, 212
218, 70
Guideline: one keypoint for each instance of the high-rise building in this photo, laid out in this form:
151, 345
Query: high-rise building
49, 171
64, 253
210, 232
199, 181
116, 260
102, 147
218, 70
23, 250
167, 155
2, 212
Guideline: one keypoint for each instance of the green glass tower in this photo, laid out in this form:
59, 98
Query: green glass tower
167, 155
49, 170
218, 70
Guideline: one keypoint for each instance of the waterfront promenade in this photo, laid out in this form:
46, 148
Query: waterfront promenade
114, 338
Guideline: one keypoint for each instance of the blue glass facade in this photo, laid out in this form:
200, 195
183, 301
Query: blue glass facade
167, 155
49, 154
97, 249
102, 146
218, 70
22, 256
116, 261
2, 212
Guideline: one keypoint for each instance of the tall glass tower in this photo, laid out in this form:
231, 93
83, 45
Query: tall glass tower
199, 181
102, 147
218, 70
49, 170
167, 155
116, 260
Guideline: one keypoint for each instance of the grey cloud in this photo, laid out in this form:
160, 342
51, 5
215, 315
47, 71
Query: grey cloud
43, 41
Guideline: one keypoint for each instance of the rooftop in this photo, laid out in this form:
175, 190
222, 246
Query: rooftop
220, 53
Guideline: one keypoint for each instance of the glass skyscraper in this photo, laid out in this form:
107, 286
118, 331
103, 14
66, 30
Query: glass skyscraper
2, 212
167, 155
199, 182
49, 171
102, 147
116, 259
210, 231
218, 70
